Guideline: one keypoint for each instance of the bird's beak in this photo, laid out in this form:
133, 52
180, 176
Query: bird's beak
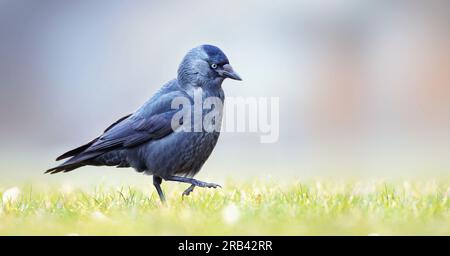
228, 72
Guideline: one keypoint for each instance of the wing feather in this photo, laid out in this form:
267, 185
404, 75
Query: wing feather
82, 148
152, 121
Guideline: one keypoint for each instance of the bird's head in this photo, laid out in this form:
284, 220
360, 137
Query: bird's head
205, 65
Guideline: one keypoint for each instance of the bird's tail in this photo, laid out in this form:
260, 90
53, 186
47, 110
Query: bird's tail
80, 155
75, 162
64, 168
76, 151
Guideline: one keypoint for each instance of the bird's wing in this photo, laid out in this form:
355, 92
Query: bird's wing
152, 121
117, 122
82, 148
128, 133
134, 131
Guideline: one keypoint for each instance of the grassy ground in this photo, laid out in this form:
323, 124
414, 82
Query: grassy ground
254, 207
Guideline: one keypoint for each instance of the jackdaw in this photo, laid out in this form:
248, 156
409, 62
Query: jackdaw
148, 139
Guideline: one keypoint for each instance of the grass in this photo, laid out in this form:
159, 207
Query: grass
242, 208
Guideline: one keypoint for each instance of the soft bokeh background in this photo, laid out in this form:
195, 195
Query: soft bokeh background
364, 86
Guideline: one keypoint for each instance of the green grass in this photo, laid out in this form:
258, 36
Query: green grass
242, 208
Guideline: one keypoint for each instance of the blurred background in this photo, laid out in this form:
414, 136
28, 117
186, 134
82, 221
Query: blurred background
364, 86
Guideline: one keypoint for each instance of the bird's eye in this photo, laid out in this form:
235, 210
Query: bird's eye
214, 66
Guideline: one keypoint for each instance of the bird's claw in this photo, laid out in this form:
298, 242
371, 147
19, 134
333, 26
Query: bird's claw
188, 190
206, 185
213, 185
202, 184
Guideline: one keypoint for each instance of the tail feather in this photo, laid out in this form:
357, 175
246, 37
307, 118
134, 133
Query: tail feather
74, 162
76, 151
80, 156
64, 168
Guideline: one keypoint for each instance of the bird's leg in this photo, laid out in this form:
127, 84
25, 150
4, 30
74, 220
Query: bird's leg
188, 190
193, 182
157, 183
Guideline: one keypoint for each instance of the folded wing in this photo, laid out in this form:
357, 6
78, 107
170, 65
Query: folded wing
152, 121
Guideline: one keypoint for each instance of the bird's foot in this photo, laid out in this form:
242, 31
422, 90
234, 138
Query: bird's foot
188, 190
205, 184
193, 182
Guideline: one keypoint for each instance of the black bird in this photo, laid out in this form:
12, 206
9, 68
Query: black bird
148, 140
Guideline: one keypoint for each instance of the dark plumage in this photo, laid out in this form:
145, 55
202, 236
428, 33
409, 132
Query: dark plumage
146, 141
